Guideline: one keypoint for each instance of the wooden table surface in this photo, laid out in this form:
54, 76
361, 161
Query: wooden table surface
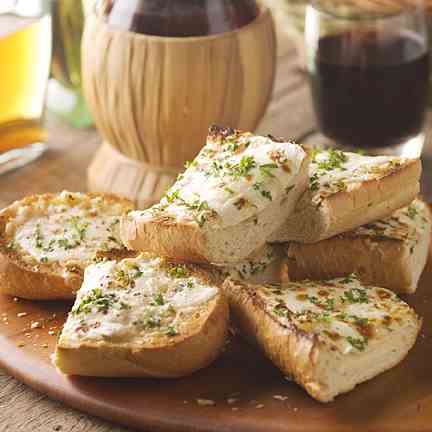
64, 167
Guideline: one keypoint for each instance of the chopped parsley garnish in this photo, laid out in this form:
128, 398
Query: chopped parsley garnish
102, 302
193, 163
152, 323
79, 228
328, 304
348, 279
228, 190
315, 151
65, 244
266, 169
281, 310
125, 306
314, 182
358, 343
171, 331
123, 278
173, 196
178, 271
159, 300
38, 236
355, 295
44, 259
412, 212
267, 194
200, 208
243, 168
334, 160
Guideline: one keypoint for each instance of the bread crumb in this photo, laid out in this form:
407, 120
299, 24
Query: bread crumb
45, 345
16, 299
205, 402
51, 332
35, 325
280, 397
234, 409
21, 314
295, 409
231, 401
259, 406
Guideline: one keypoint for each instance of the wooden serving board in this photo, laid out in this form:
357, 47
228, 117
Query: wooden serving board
249, 394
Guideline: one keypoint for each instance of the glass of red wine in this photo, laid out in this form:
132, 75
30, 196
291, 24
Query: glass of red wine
369, 74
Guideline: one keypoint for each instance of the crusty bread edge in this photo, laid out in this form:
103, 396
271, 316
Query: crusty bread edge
193, 244
20, 279
295, 353
292, 351
309, 224
171, 358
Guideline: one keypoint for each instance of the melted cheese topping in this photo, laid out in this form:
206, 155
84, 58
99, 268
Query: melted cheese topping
232, 179
70, 228
341, 313
334, 171
408, 224
135, 300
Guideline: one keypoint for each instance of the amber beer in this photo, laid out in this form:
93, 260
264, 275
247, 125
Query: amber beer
25, 51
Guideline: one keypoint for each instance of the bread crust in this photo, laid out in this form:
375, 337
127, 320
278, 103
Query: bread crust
378, 259
343, 211
186, 241
41, 281
168, 357
299, 355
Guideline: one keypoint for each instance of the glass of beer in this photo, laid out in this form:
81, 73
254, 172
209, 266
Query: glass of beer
25, 53
369, 70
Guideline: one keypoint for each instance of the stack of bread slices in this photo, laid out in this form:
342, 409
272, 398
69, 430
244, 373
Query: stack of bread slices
307, 249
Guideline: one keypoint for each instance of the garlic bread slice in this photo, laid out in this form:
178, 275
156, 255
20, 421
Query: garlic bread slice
328, 336
239, 189
391, 252
347, 190
46, 241
143, 317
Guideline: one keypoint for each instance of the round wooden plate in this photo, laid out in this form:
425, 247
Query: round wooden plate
249, 394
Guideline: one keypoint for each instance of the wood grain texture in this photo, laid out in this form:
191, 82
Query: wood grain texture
64, 166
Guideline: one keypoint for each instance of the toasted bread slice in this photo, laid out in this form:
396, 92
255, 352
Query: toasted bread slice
327, 336
223, 208
143, 317
347, 190
391, 253
46, 241
262, 266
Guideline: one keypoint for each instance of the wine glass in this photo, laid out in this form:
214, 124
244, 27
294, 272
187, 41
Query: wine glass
369, 74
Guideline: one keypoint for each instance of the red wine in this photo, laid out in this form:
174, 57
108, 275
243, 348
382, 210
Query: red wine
182, 18
370, 90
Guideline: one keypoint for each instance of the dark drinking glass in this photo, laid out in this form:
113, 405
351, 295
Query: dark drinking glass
369, 75
181, 18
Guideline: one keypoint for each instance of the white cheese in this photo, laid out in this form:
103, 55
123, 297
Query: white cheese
135, 300
341, 313
70, 228
332, 171
229, 185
